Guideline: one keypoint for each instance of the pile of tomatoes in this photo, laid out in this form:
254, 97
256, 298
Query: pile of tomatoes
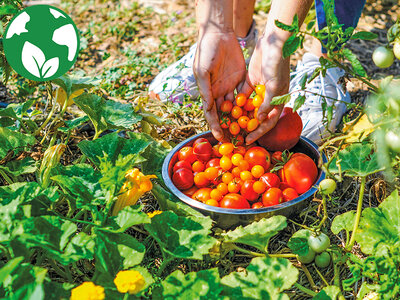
229, 175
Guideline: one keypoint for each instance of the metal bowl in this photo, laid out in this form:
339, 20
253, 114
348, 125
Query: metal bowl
227, 218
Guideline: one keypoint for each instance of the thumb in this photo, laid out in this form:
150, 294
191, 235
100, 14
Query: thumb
266, 106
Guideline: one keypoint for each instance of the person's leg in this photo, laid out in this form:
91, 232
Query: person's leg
323, 88
178, 80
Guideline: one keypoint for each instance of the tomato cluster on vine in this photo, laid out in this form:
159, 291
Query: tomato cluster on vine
231, 175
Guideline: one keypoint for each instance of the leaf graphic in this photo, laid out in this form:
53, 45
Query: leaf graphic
32, 59
50, 67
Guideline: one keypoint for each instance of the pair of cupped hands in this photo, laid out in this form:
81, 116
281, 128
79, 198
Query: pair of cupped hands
220, 69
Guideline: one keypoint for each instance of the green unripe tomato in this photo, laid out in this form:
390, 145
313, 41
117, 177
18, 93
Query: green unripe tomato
396, 50
393, 141
323, 260
327, 186
383, 57
319, 243
308, 258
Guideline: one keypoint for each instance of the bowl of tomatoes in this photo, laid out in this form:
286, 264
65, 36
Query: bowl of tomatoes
236, 185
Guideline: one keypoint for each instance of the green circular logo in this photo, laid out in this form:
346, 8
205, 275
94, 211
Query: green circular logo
41, 43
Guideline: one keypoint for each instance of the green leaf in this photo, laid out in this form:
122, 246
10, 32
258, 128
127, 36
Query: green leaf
128, 217
6, 122
330, 292
364, 35
182, 237
107, 114
19, 167
278, 100
299, 246
303, 81
299, 101
355, 63
194, 285
285, 27
257, 234
356, 160
113, 146
9, 267
115, 252
265, 278
72, 124
379, 227
71, 84
310, 25
80, 182
343, 222
14, 141
16, 110
291, 45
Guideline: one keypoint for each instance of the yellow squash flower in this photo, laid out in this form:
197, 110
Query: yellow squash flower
129, 281
154, 213
135, 186
88, 291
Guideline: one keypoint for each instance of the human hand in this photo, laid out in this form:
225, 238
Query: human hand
267, 67
219, 67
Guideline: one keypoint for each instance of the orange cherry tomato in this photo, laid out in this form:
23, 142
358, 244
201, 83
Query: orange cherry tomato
198, 166
202, 194
200, 180
225, 163
236, 112
236, 172
236, 159
257, 171
252, 125
227, 177
257, 205
244, 165
225, 122
241, 99
257, 101
226, 106
212, 202
226, 148
242, 121
249, 105
259, 187
211, 173
246, 175
223, 188
238, 140
234, 186
216, 194
260, 90
234, 128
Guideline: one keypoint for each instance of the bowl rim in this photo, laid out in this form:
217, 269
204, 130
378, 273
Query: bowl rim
231, 211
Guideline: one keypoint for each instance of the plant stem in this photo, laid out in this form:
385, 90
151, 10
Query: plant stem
358, 214
308, 275
6, 178
164, 264
305, 290
252, 253
283, 255
320, 275
325, 213
53, 109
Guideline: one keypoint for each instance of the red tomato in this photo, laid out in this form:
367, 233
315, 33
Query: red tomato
258, 156
200, 140
232, 200
276, 157
285, 134
300, 172
202, 194
183, 179
186, 153
213, 163
283, 186
203, 151
271, 180
216, 151
247, 190
191, 191
289, 194
182, 164
272, 197
257, 205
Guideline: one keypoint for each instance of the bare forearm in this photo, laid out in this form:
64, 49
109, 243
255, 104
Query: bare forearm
284, 11
214, 15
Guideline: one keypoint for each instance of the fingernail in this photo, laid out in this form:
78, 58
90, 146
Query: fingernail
261, 117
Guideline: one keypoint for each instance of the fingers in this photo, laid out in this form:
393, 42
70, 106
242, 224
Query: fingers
219, 101
213, 120
246, 87
266, 125
230, 96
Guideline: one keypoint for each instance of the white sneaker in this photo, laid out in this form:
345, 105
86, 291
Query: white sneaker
311, 111
177, 80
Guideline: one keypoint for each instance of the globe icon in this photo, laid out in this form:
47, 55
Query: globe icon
41, 43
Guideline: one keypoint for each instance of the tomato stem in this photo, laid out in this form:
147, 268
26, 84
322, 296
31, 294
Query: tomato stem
283, 255
305, 290
320, 275
358, 214
252, 253
309, 277
325, 217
